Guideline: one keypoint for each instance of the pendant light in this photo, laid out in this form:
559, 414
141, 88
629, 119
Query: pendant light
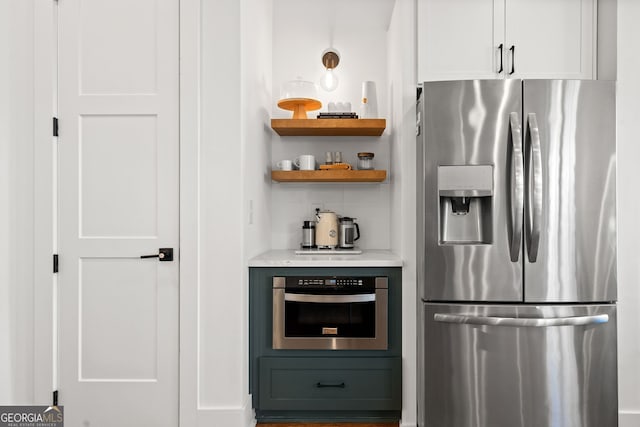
330, 60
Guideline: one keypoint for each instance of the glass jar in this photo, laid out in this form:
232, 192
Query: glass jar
365, 161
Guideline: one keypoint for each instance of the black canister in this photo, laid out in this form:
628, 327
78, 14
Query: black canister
309, 234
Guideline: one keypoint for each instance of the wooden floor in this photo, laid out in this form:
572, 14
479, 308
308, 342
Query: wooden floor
328, 425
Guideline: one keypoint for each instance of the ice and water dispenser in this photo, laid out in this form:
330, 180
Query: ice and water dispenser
466, 194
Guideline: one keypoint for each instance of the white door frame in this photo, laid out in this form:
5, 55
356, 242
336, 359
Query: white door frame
190, 45
45, 182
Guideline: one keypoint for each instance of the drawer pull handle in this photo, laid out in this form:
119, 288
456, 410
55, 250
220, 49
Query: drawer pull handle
324, 385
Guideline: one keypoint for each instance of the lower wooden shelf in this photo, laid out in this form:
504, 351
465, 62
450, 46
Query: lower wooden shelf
329, 127
331, 175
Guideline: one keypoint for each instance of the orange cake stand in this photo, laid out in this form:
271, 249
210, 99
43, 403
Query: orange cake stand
299, 106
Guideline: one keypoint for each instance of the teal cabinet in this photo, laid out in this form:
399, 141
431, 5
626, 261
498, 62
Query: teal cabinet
323, 385
330, 384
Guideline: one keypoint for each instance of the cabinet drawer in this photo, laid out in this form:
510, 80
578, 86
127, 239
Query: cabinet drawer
296, 383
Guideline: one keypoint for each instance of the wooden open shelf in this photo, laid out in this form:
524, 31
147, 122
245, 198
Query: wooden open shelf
328, 127
330, 175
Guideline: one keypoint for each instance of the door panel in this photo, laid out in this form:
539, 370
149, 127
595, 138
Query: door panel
459, 39
131, 286
119, 175
576, 254
552, 39
118, 200
535, 376
467, 123
123, 64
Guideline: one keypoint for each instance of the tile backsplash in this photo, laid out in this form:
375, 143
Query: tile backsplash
294, 203
297, 52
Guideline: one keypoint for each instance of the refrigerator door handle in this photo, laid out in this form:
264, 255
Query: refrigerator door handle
517, 187
521, 322
534, 187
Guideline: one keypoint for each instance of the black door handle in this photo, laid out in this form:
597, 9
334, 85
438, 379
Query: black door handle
164, 254
324, 385
501, 68
513, 59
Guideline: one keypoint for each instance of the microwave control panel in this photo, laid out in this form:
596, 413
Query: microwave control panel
330, 284
332, 281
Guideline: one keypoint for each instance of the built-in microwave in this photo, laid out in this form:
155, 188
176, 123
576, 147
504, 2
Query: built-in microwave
333, 313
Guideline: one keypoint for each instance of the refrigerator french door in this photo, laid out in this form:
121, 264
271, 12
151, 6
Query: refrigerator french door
517, 254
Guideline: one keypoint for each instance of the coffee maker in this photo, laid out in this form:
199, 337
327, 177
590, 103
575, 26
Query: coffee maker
348, 233
326, 229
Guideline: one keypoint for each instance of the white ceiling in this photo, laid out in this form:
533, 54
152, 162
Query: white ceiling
335, 14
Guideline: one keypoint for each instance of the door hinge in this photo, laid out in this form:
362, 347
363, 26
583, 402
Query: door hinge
55, 126
55, 398
55, 263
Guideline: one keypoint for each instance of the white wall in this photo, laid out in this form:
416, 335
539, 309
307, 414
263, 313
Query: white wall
5, 342
402, 113
229, 141
303, 29
256, 69
255, 126
220, 200
628, 93
16, 202
607, 39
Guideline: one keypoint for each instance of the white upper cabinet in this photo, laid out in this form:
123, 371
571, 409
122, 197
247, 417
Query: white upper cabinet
552, 39
493, 39
458, 39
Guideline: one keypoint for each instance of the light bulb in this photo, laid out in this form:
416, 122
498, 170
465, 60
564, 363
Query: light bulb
329, 81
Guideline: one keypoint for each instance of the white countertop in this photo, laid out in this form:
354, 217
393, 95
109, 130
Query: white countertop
287, 258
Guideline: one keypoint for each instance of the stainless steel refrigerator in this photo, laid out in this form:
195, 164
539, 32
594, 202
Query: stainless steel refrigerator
517, 254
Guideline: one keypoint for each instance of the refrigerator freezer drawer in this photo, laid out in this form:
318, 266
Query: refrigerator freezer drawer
519, 366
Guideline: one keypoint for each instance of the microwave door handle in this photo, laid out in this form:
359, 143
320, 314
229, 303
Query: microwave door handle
329, 299
517, 187
534, 188
520, 322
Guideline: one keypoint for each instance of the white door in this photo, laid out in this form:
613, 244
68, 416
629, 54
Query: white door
118, 199
552, 39
460, 39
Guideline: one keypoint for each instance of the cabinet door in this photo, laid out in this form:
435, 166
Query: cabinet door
552, 39
459, 39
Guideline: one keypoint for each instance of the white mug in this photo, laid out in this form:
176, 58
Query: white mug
285, 165
305, 162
